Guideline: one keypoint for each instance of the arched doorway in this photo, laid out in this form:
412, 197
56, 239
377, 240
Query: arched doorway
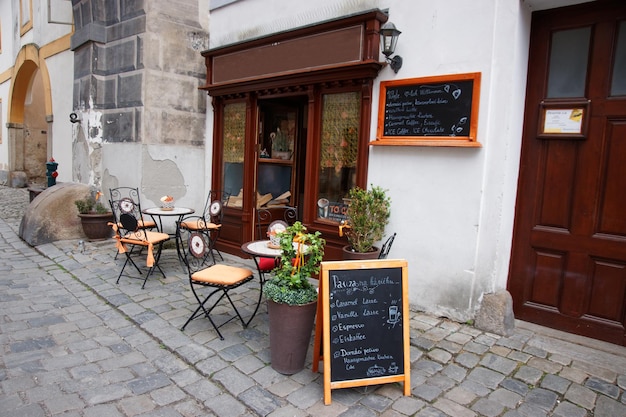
28, 128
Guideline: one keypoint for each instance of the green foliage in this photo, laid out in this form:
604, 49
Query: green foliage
301, 256
85, 205
274, 291
368, 214
91, 204
101, 208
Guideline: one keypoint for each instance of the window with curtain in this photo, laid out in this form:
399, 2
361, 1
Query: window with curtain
338, 152
233, 141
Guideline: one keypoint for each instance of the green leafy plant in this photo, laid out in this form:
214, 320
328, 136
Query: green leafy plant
302, 253
367, 215
90, 204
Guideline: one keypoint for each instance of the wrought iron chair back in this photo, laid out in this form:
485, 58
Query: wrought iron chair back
210, 221
265, 217
127, 196
384, 251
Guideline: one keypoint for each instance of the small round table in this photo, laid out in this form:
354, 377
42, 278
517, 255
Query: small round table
159, 212
260, 249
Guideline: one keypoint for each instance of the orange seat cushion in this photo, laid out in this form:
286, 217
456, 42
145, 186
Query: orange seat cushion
221, 275
199, 225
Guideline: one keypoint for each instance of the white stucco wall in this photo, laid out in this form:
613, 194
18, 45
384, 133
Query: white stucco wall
51, 21
453, 208
61, 72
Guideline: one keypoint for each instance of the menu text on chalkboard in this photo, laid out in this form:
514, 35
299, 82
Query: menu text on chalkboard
366, 323
442, 109
365, 318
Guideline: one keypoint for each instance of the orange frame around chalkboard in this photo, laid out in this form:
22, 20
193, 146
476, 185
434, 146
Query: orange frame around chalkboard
429, 111
323, 342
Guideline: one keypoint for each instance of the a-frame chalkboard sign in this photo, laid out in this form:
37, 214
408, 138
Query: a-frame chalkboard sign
365, 317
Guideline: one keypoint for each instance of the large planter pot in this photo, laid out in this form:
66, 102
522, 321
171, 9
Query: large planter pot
95, 225
350, 255
290, 335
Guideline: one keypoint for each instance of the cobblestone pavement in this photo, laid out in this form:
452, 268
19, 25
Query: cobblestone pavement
74, 343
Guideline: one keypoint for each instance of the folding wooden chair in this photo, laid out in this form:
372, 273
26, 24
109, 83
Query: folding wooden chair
130, 237
195, 246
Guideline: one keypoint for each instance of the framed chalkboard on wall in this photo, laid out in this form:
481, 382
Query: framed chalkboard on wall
430, 111
365, 315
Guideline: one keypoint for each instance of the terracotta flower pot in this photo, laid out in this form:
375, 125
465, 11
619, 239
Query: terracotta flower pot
290, 335
350, 255
95, 225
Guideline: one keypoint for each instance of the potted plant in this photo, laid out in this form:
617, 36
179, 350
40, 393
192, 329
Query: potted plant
94, 216
292, 299
366, 217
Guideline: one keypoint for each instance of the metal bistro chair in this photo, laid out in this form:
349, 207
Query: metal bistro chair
195, 247
265, 218
129, 196
210, 220
130, 235
384, 251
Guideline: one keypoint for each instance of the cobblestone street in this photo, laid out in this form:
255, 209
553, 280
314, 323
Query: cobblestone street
75, 343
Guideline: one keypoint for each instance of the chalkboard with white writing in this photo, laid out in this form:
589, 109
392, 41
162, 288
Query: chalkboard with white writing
365, 314
443, 107
366, 323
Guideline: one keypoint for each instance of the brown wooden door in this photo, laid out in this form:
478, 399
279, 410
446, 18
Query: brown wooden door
568, 264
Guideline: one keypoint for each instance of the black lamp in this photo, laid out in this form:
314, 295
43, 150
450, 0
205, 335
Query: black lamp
389, 37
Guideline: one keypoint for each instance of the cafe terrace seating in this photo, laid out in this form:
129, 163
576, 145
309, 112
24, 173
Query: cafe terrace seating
265, 217
131, 238
211, 219
218, 279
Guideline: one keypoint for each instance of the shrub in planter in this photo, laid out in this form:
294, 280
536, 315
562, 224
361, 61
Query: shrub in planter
292, 299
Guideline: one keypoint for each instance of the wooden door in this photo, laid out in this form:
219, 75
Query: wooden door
568, 263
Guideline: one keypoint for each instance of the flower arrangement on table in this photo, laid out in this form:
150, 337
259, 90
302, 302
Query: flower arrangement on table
273, 233
167, 202
300, 260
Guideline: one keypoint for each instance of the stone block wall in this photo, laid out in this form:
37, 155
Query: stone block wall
135, 65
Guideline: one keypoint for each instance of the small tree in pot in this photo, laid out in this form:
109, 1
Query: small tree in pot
292, 299
367, 215
94, 217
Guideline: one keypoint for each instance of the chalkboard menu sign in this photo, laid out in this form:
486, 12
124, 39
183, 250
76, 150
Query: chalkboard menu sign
365, 323
440, 110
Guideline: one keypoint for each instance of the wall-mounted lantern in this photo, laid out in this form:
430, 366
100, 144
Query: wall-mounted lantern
389, 38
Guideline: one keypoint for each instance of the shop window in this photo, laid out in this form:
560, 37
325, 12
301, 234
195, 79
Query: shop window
233, 141
338, 152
